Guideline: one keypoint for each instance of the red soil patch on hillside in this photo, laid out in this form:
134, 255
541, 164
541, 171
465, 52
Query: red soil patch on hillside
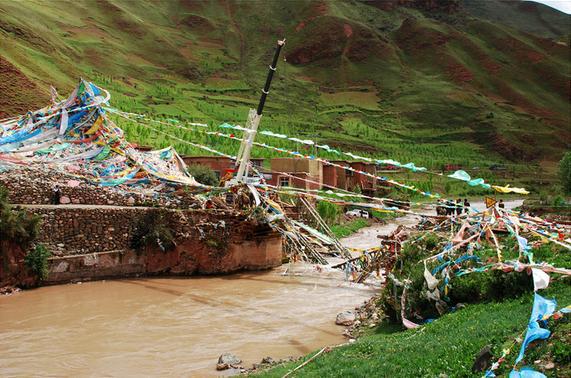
18, 93
414, 38
550, 46
318, 9
509, 150
423, 42
459, 73
196, 23
122, 20
486, 134
540, 70
332, 37
520, 101
347, 30
477, 53
450, 6
522, 51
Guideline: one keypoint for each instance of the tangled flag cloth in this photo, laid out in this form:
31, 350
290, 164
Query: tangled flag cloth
542, 309
77, 132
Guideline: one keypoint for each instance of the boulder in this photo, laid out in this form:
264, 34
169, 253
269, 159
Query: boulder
64, 200
483, 359
227, 361
345, 318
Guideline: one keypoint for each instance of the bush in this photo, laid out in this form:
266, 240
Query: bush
489, 286
37, 261
17, 226
559, 202
486, 286
565, 172
330, 212
203, 174
152, 230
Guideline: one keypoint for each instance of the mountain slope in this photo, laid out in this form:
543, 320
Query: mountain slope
432, 81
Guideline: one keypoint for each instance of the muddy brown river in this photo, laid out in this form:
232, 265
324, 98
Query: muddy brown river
171, 327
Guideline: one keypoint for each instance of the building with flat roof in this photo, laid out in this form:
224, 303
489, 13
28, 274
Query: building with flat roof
297, 173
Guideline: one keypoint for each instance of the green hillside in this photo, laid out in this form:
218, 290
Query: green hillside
467, 82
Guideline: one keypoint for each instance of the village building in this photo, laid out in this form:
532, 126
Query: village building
301, 173
348, 179
363, 183
335, 176
219, 164
297, 173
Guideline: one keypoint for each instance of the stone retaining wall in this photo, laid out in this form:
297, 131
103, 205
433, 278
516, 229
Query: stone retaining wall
67, 230
189, 258
89, 243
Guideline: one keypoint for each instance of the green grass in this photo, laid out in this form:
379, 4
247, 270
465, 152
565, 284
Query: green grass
350, 227
448, 346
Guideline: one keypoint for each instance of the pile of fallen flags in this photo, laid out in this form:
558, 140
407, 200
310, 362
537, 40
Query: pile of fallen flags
76, 136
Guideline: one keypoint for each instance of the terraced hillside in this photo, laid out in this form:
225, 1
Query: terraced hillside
467, 82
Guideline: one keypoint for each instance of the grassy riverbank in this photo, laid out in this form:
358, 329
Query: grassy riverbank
342, 230
350, 227
449, 345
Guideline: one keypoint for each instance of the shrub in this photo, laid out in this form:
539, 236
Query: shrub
330, 212
203, 174
559, 202
490, 285
37, 261
565, 172
16, 225
152, 230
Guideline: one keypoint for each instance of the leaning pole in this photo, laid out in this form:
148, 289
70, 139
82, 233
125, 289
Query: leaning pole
254, 116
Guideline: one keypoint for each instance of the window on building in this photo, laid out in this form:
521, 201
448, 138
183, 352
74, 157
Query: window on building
284, 181
348, 173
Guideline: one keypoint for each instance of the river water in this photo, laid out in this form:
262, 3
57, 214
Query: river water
171, 327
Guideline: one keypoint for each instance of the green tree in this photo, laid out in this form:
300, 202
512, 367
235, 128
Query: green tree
329, 212
18, 227
203, 174
565, 172
37, 261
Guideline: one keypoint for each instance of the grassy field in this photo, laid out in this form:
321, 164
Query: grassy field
447, 346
